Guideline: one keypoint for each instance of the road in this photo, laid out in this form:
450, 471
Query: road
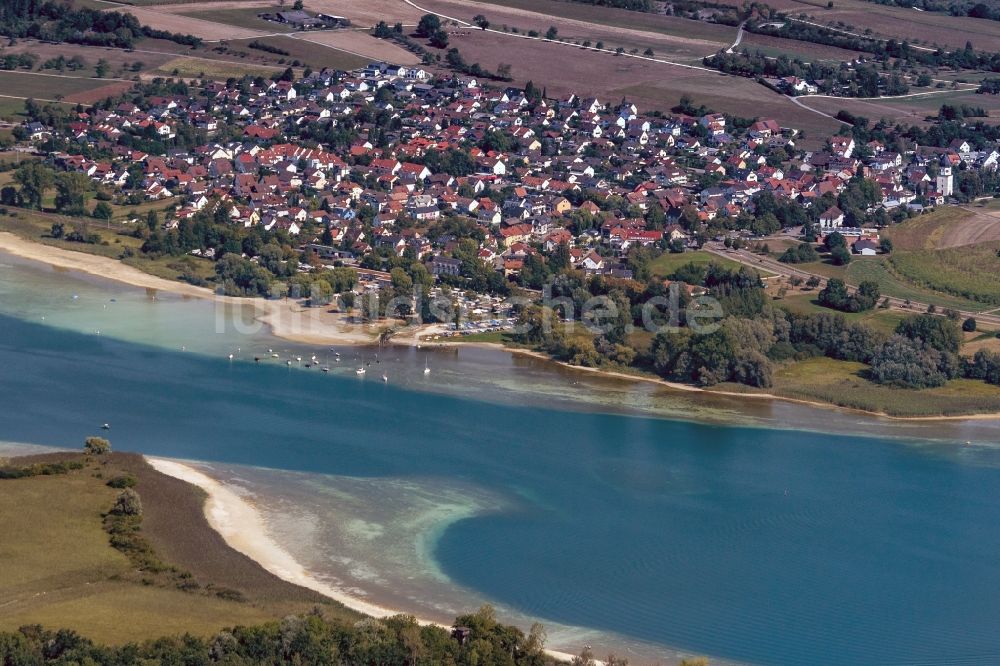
739, 38
745, 257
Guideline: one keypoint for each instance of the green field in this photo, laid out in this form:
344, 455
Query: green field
208, 69
59, 569
843, 383
922, 256
883, 320
669, 262
40, 86
618, 18
879, 269
242, 17
309, 53
971, 272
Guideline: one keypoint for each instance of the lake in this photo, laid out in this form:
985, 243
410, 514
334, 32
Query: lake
606, 509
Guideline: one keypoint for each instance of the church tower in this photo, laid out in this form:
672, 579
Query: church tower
944, 179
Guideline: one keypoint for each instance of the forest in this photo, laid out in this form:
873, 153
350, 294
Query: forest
61, 22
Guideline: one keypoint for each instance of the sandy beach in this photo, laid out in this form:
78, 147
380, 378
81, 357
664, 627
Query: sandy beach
243, 529
287, 318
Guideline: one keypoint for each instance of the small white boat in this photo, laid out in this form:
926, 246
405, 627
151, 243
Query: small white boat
385, 378
298, 359
360, 371
274, 355
288, 362
427, 370
230, 357
106, 426
325, 369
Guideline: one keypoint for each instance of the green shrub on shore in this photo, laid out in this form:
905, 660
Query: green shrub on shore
96, 446
39, 469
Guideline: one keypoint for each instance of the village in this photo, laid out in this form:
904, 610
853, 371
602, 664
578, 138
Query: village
530, 174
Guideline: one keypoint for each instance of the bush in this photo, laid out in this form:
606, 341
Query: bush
123, 481
96, 446
127, 504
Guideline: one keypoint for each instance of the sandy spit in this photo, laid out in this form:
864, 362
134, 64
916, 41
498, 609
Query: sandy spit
242, 526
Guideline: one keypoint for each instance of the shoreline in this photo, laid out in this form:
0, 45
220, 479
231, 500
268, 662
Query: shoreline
242, 528
291, 321
677, 386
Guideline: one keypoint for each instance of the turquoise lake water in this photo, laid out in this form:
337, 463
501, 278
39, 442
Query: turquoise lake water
752, 544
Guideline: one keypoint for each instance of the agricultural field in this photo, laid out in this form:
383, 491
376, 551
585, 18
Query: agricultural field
912, 109
206, 68
972, 271
209, 31
366, 13
952, 250
360, 44
949, 227
925, 28
308, 53
778, 46
566, 69
241, 17
50, 87
499, 11
120, 61
668, 37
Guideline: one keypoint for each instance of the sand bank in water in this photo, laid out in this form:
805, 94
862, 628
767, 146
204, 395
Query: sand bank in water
243, 528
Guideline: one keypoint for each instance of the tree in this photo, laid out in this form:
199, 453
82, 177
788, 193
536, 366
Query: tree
297, 5
841, 256
439, 39
866, 297
940, 333
96, 446
127, 504
481, 21
428, 25
71, 193
907, 363
552, 33
969, 325
34, 178
103, 211
834, 295
102, 68
834, 240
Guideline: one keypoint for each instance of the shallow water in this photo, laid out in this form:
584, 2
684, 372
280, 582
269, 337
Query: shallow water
762, 544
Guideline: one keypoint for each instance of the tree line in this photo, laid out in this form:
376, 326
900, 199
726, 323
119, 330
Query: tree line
308, 639
63, 22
